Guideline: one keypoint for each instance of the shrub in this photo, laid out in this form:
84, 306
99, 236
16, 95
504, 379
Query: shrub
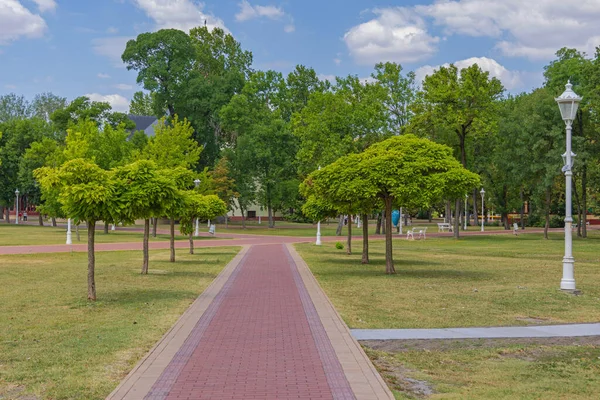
557, 222
339, 246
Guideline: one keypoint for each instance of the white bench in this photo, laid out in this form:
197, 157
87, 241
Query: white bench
444, 226
420, 232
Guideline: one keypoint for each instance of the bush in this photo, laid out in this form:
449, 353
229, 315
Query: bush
339, 246
557, 222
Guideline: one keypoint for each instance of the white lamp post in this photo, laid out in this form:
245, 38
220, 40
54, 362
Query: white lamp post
568, 103
400, 221
69, 236
197, 230
482, 208
17, 207
466, 214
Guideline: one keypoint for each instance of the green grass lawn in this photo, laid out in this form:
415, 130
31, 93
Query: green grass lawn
56, 345
475, 281
507, 372
22, 235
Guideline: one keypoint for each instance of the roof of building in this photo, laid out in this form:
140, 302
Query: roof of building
142, 122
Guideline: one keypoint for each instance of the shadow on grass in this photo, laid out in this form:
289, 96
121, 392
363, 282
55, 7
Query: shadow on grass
141, 296
376, 260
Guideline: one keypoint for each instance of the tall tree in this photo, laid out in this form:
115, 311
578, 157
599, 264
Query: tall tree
401, 91
45, 104
13, 106
143, 104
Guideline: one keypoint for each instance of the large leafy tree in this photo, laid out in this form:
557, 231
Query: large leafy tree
197, 206
454, 106
401, 91
163, 61
84, 109
143, 104
403, 170
13, 106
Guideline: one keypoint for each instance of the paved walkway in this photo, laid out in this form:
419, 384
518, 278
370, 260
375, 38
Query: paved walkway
546, 331
263, 330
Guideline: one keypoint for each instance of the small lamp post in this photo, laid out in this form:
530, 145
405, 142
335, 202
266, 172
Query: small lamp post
197, 230
69, 234
482, 207
17, 207
568, 103
466, 216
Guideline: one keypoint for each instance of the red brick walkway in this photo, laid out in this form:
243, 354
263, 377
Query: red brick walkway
260, 338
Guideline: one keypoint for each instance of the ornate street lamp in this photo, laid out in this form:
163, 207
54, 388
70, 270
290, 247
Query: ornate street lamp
482, 207
17, 207
568, 103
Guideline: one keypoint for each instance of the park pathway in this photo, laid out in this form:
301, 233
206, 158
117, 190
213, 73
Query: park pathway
263, 330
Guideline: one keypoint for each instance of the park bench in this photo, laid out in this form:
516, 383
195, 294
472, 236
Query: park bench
420, 232
444, 226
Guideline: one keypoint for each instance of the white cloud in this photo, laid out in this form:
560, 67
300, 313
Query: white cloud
123, 86
179, 14
326, 77
248, 11
116, 101
337, 61
510, 79
112, 47
396, 34
112, 30
531, 29
45, 5
17, 21
10, 87
289, 28
103, 76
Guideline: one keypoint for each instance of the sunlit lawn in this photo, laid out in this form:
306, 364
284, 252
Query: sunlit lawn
56, 345
22, 235
475, 281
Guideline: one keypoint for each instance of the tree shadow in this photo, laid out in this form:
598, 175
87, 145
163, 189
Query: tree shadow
142, 296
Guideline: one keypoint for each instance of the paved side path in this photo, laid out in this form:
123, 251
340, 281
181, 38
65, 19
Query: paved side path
546, 331
256, 335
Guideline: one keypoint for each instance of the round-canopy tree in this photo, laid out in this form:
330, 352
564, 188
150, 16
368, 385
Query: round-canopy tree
197, 206
402, 170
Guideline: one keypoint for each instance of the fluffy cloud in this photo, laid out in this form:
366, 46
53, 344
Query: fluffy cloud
17, 21
103, 76
112, 48
396, 34
532, 29
178, 14
123, 86
45, 5
510, 79
116, 101
248, 11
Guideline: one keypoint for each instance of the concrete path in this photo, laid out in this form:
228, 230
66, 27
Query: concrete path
263, 330
546, 331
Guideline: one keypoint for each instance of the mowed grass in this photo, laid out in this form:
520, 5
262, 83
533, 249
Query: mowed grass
499, 280
23, 235
54, 344
507, 372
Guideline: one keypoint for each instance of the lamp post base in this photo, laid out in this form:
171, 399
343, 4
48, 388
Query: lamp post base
568, 280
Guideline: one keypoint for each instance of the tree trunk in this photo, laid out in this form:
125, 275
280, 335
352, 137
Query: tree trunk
475, 208
91, 261
7, 213
457, 219
379, 220
1, 213
145, 246
40, 219
365, 227
270, 211
349, 241
584, 200
522, 209
154, 226
338, 231
389, 260
429, 215
383, 224
77, 233
172, 240
105, 228
191, 238
54, 223
547, 212
243, 219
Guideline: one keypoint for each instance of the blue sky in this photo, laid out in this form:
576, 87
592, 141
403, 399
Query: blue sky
73, 47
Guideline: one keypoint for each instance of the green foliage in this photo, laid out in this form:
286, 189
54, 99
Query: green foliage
83, 109
172, 145
13, 107
339, 245
143, 104
201, 207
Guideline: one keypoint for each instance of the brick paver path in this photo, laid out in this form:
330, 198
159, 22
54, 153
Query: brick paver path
259, 339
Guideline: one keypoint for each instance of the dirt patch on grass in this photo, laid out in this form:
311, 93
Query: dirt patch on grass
395, 346
397, 376
16, 393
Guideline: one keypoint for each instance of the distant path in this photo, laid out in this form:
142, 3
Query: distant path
233, 239
545, 331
